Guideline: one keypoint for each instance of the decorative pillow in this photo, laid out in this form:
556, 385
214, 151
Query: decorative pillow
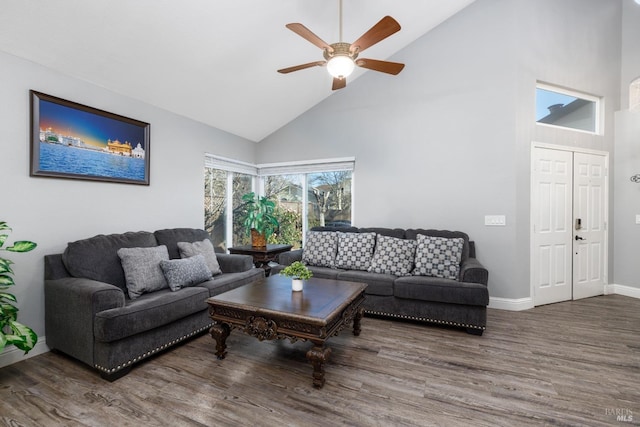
142, 270
181, 273
438, 257
204, 248
393, 256
320, 248
355, 250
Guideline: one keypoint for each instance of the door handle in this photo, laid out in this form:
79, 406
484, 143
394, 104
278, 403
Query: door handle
579, 238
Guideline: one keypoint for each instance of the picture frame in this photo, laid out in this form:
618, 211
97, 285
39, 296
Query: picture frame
71, 140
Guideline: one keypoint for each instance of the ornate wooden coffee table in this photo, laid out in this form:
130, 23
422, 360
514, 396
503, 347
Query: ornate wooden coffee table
269, 310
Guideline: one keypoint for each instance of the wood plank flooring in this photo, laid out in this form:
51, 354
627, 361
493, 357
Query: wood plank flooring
573, 363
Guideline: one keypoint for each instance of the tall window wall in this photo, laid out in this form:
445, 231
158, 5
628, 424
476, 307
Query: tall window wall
306, 195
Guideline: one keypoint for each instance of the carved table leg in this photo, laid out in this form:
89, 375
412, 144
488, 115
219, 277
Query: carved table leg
318, 356
220, 332
356, 321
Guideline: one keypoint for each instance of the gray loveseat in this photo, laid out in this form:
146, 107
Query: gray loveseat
90, 315
459, 301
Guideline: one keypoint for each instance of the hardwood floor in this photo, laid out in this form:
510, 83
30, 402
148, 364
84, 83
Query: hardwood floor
574, 363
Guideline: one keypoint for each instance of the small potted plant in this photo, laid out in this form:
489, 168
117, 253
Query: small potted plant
298, 272
12, 332
260, 221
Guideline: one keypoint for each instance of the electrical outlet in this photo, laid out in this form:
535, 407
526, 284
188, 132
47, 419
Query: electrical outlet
495, 220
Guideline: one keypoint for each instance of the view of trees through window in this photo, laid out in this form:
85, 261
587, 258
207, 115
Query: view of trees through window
326, 195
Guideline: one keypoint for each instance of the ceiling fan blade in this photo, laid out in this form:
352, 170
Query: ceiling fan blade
302, 66
382, 66
307, 34
338, 83
383, 29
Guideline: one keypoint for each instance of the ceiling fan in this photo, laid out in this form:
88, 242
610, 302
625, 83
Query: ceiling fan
341, 58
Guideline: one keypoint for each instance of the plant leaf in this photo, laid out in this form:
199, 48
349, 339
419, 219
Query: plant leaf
3, 340
4, 268
8, 311
4, 226
3, 238
6, 280
8, 296
22, 246
28, 337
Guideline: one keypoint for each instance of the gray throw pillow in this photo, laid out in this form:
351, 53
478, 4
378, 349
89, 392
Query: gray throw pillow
204, 248
393, 256
142, 270
355, 250
438, 257
320, 248
184, 272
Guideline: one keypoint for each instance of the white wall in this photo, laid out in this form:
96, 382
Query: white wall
448, 140
627, 158
52, 212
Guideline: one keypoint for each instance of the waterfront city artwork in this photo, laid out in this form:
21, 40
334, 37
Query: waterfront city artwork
70, 140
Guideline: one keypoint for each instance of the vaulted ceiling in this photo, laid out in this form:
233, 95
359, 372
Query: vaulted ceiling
212, 61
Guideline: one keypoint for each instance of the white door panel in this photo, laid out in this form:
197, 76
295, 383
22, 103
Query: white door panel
589, 241
551, 252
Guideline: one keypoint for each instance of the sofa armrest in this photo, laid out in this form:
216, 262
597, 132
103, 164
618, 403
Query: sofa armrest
234, 263
287, 258
473, 271
70, 306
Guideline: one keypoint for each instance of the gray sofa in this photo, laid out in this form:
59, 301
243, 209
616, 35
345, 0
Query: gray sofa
90, 315
460, 302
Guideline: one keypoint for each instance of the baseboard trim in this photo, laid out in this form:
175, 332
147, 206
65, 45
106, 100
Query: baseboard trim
627, 291
517, 304
12, 355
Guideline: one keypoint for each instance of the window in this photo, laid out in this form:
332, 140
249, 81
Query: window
567, 109
307, 194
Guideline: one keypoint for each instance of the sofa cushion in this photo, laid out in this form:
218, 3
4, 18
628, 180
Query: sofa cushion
228, 281
413, 234
148, 312
320, 248
393, 256
171, 236
398, 233
438, 257
377, 284
203, 247
181, 273
441, 290
96, 258
355, 250
142, 269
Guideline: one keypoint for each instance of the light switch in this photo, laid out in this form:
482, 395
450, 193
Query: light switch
495, 220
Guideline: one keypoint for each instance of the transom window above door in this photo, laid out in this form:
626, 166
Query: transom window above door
568, 109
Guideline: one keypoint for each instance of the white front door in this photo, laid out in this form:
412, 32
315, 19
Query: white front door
568, 225
589, 231
552, 230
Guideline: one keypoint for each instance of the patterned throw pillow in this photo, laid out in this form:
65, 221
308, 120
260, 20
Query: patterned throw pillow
320, 248
438, 257
204, 248
142, 270
355, 250
393, 256
184, 272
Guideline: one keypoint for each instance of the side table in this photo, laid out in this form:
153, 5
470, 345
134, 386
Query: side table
263, 255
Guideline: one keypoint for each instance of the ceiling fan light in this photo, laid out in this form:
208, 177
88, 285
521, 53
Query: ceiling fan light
340, 66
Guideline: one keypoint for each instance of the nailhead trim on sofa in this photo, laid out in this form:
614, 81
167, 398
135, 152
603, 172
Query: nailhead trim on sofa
425, 319
152, 352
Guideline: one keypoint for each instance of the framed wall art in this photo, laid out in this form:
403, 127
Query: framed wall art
70, 140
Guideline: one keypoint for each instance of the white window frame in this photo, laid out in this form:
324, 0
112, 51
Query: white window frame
260, 171
599, 106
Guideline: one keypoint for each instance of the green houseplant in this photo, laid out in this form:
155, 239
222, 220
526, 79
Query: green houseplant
11, 331
298, 272
260, 221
